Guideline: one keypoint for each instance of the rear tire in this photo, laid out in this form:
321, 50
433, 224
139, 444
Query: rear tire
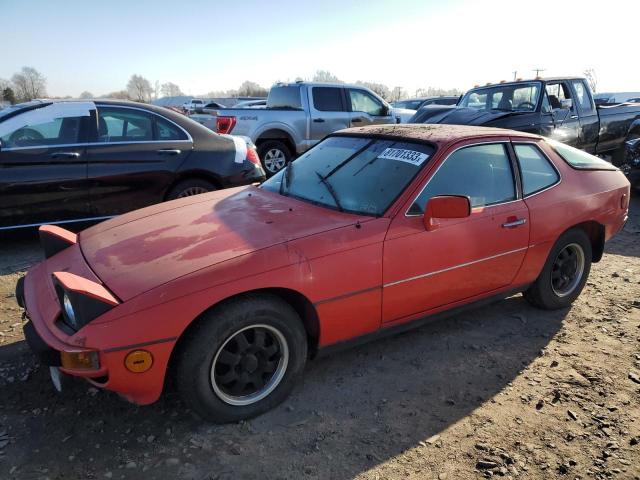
274, 155
564, 274
188, 188
242, 358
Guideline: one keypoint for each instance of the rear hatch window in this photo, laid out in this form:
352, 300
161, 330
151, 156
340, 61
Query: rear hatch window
579, 159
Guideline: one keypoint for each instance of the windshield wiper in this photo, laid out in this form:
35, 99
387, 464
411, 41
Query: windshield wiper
331, 190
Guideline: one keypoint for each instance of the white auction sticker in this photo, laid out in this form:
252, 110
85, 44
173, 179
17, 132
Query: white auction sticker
409, 156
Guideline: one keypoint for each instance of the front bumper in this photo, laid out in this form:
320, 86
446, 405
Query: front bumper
50, 341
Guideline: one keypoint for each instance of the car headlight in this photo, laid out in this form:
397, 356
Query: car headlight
68, 310
81, 300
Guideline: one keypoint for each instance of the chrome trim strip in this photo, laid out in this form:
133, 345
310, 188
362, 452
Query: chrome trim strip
430, 274
347, 295
59, 222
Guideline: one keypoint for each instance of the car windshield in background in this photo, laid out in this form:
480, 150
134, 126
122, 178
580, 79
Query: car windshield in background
351, 174
284, 98
507, 98
410, 104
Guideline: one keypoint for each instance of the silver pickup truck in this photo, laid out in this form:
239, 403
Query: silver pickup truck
299, 115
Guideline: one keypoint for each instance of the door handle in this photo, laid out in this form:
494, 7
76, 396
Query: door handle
515, 223
574, 116
318, 120
65, 155
168, 151
357, 120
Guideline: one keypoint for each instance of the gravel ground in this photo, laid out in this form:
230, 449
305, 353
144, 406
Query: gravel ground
505, 390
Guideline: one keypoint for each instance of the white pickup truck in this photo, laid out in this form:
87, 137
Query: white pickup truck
299, 115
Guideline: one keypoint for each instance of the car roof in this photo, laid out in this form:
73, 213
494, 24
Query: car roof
440, 135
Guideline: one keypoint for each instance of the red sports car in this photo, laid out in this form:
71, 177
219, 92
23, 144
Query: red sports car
373, 230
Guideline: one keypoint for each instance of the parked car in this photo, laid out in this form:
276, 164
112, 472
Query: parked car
251, 104
193, 105
560, 108
416, 103
299, 115
373, 231
69, 161
615, 98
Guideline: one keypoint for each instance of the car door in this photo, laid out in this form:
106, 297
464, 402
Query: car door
328, 111
366, 109
134, 158
43, 165
589, 121
462, 258
558, 120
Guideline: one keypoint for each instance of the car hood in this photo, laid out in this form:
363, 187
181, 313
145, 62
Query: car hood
461, 115
141, 250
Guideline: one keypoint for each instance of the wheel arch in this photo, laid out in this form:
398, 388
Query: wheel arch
299, 302
596, 233
277, 134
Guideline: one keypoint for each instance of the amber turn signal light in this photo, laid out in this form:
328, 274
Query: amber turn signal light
138, 361
87, 360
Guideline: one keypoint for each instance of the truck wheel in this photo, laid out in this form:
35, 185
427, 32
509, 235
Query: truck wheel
564, 274
242, 359
187, 188
274, 155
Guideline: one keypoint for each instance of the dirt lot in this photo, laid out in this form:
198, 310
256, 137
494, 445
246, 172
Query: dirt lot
506, 390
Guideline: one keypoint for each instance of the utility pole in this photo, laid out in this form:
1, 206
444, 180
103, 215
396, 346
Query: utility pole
538, 70
515, 75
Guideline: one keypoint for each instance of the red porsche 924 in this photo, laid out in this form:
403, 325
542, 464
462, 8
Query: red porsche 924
373, 230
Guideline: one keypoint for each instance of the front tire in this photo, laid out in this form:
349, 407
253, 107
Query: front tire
242, 358
564, 274
274, 154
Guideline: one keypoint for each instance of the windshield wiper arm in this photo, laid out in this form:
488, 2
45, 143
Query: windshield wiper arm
331, 190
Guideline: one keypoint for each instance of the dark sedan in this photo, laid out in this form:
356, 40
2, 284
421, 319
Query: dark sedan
69, 161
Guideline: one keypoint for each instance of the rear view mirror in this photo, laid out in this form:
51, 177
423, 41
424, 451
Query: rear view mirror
445, 206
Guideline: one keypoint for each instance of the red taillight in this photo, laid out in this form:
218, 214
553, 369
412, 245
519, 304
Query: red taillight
252, 156
225, 124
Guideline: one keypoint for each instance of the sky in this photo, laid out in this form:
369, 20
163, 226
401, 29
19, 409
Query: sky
95, 46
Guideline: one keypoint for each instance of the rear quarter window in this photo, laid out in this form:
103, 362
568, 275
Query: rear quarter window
536, 170
579, 159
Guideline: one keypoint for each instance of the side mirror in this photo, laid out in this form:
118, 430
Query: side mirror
386, 111
445, 206
566, 104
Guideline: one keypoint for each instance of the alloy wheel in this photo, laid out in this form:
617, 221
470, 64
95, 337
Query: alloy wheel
567, 270
274, 160
188, 192
249, 365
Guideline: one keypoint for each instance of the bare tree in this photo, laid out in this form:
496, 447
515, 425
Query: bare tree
324, 76
86, 94
397, 93
170, 89
437, 92
29, 84
139, 88
251, 89
379, 88
590, 75
119, 95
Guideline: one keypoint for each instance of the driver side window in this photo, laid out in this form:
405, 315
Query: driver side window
361, 101
481, 172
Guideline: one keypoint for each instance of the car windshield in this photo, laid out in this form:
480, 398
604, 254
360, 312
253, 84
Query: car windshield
352, 174
410, 104
505, 97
